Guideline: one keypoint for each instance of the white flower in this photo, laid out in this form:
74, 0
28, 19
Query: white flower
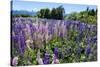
28, 43
55, 60
38, 59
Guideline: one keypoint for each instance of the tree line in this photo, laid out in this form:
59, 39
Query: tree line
55, 13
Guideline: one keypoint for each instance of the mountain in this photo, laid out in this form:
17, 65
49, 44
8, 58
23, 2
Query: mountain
31, 13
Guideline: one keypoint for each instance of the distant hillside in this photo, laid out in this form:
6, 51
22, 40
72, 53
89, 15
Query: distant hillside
31, 13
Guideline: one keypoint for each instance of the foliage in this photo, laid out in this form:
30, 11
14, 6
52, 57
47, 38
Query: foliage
87, 16
21, 15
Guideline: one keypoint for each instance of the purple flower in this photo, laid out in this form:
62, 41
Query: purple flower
22, 44
15, 61
61, 35
94, 39
46, 59
56, 51
14, 38
88, 50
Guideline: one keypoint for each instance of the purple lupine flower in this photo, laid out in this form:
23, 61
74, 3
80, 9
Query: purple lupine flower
80, 35
22, 20
17, 29
56, 51
15, 61
22, 44
14, 37
94, 39
50, 30
81, 27
88, 39
31, 25
30, 20
61, 35
46, 59
28, 29
33, 29
88, 50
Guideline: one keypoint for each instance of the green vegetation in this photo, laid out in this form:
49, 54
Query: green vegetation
87, 16
21, 15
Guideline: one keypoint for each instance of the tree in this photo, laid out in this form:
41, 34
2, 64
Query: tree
47, 13
41, 13
44, 13
92, 12
61, 12
87, 9
72, 16
55, 13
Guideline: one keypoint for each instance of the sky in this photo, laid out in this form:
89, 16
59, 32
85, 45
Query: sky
36, 6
